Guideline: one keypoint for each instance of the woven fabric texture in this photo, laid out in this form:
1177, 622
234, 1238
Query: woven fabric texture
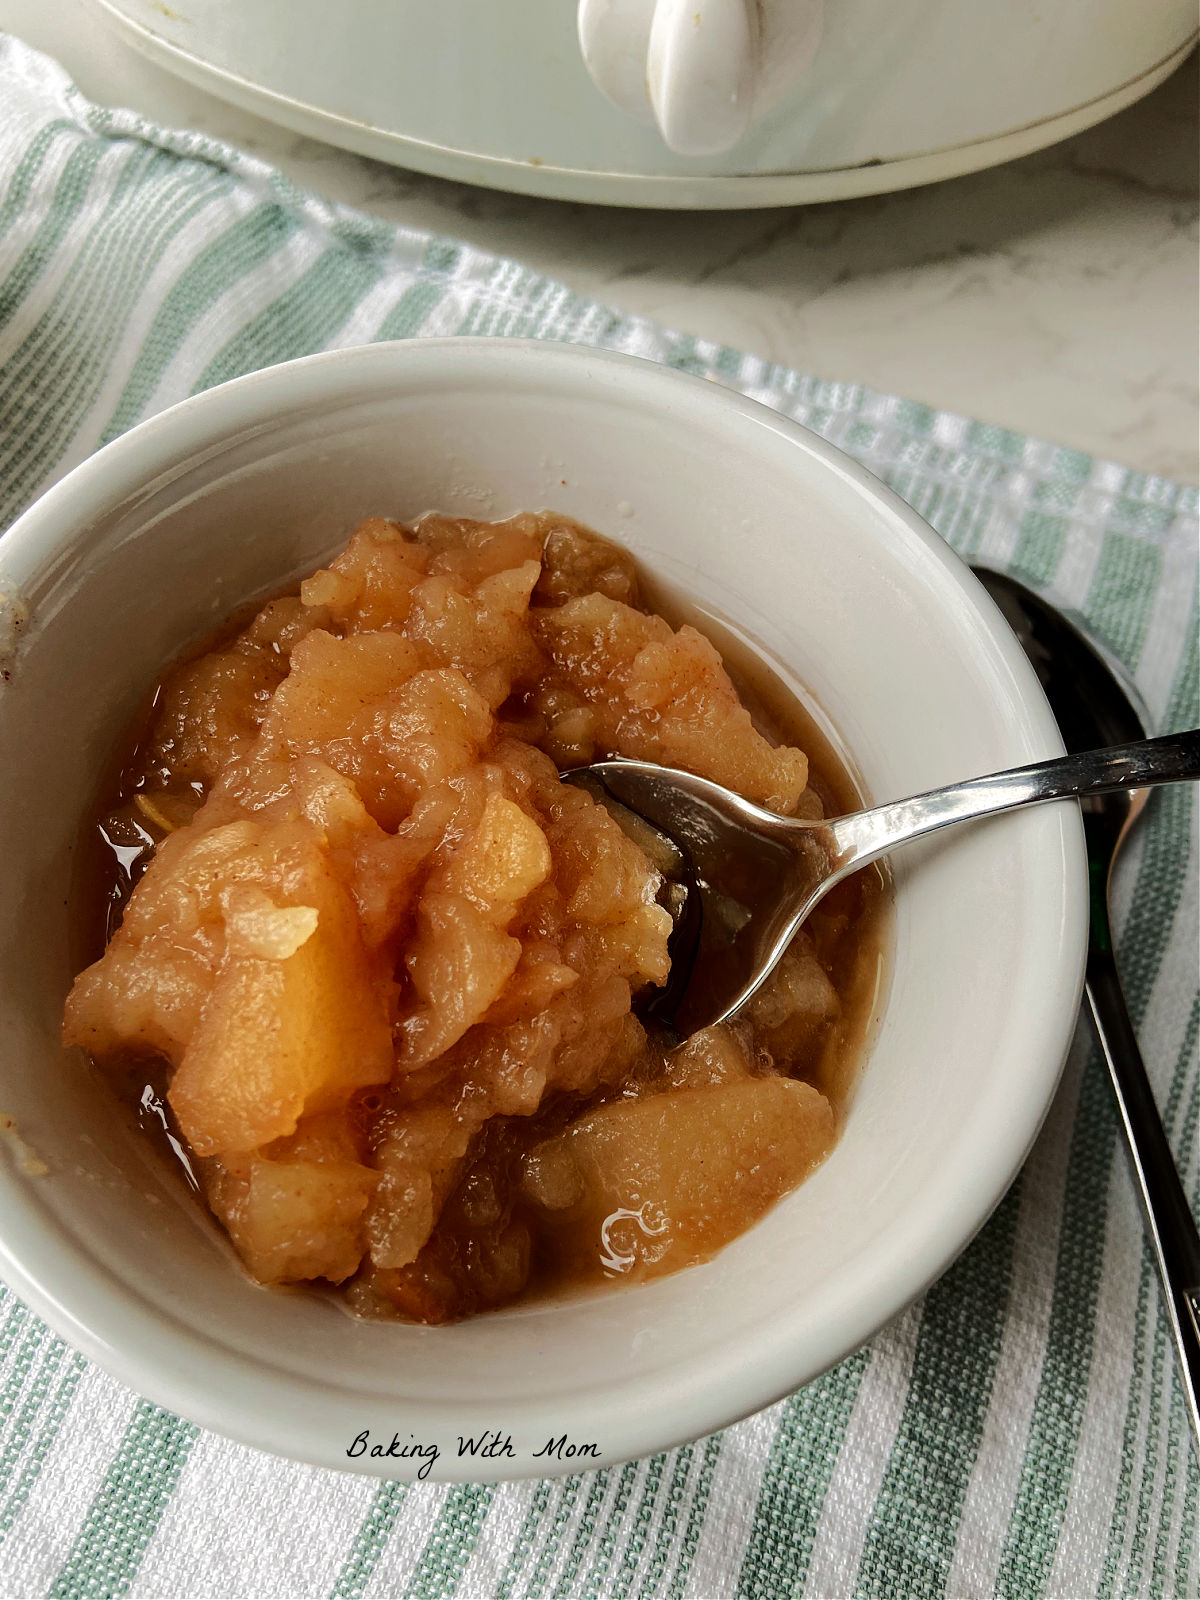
1020, 1432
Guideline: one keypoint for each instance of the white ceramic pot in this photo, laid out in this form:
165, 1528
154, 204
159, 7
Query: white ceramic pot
675, 102
151, 541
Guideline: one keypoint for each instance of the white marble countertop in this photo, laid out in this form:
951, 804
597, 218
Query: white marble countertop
1056, 295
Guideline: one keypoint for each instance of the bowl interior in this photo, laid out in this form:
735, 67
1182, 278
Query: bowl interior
150, 544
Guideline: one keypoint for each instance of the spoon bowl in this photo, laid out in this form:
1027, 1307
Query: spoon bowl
1092, 697
740, 881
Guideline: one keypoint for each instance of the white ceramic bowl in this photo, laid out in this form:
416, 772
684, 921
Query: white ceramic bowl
159, 535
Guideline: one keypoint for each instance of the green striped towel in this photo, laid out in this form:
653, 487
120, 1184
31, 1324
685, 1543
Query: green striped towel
1018, 1433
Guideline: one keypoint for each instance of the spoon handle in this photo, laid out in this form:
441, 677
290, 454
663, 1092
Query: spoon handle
867, 835
1170, 1225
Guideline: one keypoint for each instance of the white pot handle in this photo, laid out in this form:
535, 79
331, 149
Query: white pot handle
702, 69
687, 65
699, 69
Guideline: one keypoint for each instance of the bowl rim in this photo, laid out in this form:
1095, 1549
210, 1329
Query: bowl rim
239, 1395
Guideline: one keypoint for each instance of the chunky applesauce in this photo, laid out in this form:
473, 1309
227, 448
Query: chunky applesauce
380, 978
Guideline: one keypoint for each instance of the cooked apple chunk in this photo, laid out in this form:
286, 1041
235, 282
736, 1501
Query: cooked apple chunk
251, 978
647, 1186
666, 697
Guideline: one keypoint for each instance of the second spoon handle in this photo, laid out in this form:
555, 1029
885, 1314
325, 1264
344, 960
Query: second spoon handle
866, 835
1173, 1238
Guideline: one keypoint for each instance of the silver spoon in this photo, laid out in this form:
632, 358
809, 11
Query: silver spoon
754, 877
1092, 702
